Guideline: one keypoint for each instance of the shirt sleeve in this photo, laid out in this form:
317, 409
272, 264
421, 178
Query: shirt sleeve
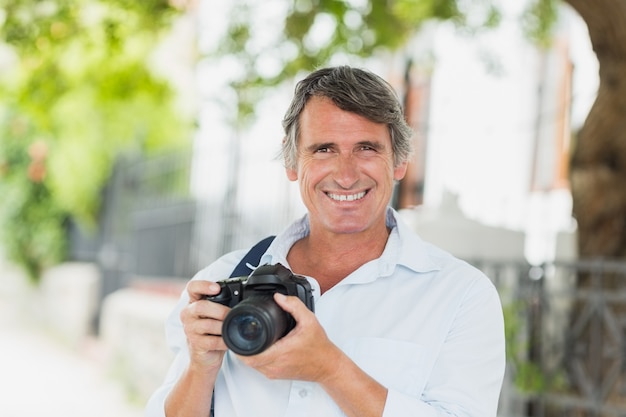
467, 376
175, 335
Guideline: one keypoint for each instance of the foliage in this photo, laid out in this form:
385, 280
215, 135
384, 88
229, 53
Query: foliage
32, 226
538, 21
527, 375
350, 29
353, 29
78, 93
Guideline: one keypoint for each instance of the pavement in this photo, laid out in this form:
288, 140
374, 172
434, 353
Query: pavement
42, 376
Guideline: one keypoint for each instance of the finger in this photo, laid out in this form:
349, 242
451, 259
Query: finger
202, 317
198, 289
204, 327
204, 309
201, 346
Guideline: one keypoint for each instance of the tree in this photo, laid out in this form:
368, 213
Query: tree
597, 178
598, 168
78, 92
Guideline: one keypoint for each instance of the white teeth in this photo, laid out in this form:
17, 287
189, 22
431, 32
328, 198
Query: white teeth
343, 197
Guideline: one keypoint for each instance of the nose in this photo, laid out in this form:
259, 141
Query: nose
346, 171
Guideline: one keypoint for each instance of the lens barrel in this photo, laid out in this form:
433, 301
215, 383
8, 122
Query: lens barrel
254, 325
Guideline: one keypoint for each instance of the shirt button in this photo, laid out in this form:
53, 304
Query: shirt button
303, 393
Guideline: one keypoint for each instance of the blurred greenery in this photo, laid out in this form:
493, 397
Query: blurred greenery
77, 91
529, 376
353, 29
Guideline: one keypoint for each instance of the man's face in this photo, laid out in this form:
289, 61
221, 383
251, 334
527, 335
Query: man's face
344, 168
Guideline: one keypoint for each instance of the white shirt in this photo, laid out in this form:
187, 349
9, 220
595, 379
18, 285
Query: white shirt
424, 324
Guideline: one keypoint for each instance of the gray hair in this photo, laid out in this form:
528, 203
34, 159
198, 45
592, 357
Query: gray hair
354, 90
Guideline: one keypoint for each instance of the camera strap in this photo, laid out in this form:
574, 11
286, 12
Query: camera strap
253, 257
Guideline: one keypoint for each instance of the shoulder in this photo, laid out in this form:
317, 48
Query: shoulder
222, 267
423, 257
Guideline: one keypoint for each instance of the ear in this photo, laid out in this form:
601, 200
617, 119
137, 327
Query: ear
292, 174
400, 171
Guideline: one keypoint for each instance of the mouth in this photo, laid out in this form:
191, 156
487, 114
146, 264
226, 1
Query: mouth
346, 197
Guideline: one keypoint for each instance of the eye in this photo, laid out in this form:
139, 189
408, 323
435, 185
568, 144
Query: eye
323, 148
367, 150
368, 147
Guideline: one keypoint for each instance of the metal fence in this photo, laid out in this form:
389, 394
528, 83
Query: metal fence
146, 222
565, 321
151, 227
566, 337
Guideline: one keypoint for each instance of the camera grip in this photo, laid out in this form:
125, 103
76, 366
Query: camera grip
223, 297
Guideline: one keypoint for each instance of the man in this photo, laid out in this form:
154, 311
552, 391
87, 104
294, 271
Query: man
400, 327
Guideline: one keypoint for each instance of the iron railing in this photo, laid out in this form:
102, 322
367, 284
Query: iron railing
566, 337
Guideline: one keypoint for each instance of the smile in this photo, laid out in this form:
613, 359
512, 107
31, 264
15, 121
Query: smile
344, 197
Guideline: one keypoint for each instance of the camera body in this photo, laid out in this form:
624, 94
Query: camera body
255, 321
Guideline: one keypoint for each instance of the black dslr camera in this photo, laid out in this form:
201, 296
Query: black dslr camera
256, 321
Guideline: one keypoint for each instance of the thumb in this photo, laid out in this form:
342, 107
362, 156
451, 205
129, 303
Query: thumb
291, 304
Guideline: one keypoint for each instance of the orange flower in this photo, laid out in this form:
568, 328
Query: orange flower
38, 150
36, 171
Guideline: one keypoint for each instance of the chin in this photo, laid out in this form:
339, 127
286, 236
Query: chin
348, 229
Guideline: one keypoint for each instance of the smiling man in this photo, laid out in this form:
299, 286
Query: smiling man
401, 328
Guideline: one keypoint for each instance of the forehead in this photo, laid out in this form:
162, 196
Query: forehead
322, 120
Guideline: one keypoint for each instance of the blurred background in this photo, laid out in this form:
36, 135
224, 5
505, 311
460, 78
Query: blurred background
138, 143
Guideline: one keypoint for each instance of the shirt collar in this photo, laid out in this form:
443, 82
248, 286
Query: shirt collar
404, 247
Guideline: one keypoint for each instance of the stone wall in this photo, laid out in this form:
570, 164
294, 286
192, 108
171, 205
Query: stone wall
132, 332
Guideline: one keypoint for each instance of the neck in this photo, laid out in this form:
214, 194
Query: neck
330, 257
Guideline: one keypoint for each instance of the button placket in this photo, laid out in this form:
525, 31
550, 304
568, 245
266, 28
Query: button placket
299, 397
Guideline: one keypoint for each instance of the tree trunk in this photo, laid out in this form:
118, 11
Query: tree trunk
598, 185
598, 168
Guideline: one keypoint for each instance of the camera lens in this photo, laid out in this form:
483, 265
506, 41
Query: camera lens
246, 333
248, 327
254, 325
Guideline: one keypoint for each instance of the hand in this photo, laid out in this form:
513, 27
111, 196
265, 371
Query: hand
305, 353
202, 322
